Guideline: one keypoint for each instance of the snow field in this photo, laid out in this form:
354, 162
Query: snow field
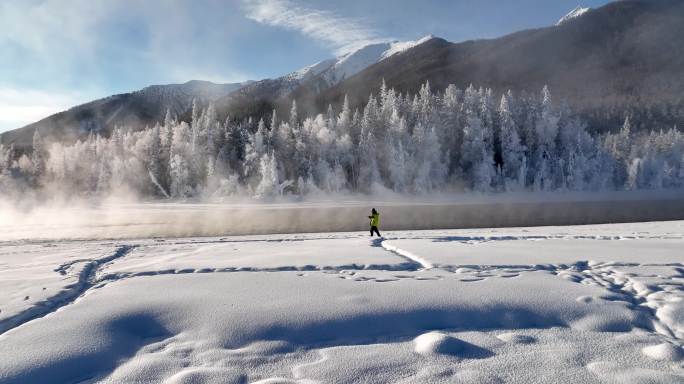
210, 315
590, 304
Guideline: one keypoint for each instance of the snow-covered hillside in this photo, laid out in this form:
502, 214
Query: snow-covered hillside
178, 98
583, 304
334, 71
575, 13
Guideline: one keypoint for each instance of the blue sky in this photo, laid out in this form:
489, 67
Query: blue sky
58, 53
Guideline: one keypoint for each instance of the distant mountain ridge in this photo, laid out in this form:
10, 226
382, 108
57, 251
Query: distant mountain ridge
622, 58
625, 58
335, 71
135, 110
262, 97
148, 106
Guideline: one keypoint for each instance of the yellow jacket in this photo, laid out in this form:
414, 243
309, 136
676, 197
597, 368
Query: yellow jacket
375, 220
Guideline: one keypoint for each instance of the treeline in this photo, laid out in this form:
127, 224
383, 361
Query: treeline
455, 140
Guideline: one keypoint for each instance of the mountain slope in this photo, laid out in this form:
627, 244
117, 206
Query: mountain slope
261, 97
577, 12
148, 106
356, 61
625, 56
135, 110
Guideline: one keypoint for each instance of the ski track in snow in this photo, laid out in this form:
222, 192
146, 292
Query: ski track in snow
86, 280
424, 264
624, 287
641, 297
648, 298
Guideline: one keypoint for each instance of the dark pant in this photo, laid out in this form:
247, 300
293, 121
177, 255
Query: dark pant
374, 228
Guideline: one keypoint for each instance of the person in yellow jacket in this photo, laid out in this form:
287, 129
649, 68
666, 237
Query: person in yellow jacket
374, 222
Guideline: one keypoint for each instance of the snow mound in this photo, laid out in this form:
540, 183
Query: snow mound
606, 322
433, 343
664, 352
438, 343
672, 314
516, 338
575, 13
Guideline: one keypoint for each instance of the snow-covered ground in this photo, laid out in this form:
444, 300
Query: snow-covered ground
572, 304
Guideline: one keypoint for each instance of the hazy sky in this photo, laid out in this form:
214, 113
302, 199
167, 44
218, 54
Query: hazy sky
58, 53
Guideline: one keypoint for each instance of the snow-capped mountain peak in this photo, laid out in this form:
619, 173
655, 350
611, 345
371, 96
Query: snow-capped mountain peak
401, 46
575, 13
347, 65
313, 69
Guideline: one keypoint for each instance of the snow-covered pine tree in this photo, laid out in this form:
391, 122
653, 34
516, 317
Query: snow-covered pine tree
154, 160
273, 141
546, 130
268, 171
254, 151
294, 117
38, 156
512, 150
398, 167
451, 132
408, 142
179, 164
477, 158
5, 158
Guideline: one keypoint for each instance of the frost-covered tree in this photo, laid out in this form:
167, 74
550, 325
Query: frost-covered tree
451, 132
369, 172
620, 147
294, 116
431, 170
154, 159
180, 171
512, 150
546, 130
270, 179
5, 158
180, 177
411, 143
399, 167
39, 155
477, 155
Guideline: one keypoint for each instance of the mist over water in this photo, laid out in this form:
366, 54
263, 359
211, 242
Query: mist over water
118, 218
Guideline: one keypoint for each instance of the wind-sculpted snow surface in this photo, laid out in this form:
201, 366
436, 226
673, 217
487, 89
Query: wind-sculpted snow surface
583, 304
